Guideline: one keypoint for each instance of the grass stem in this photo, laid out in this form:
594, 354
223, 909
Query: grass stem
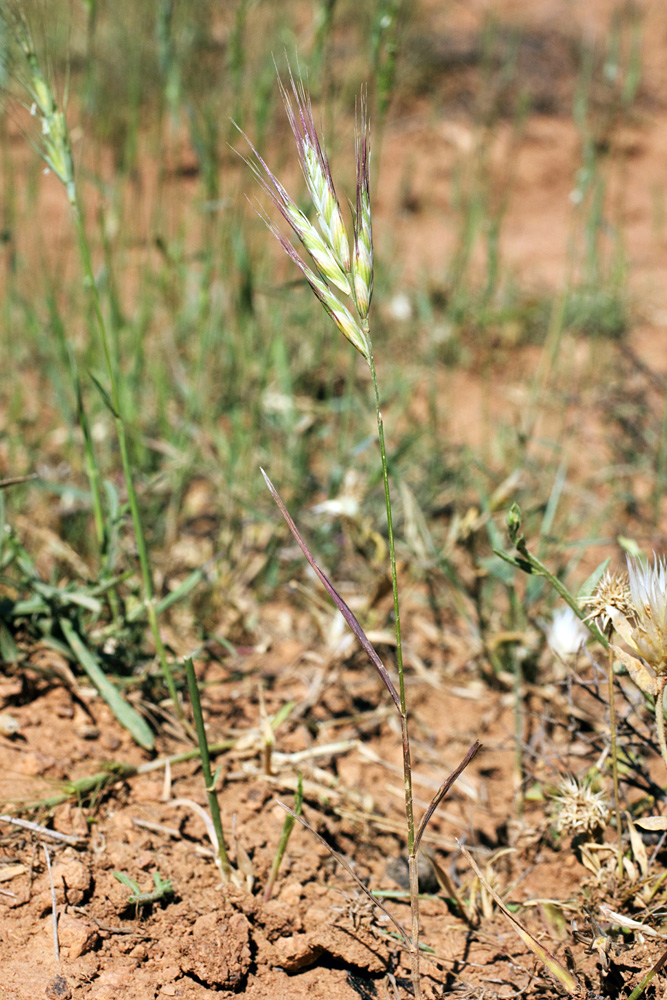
407, 765
116, 406
213, 804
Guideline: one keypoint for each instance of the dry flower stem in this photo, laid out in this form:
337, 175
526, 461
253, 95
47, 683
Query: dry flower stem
54, 906
614, 759
660, 715
43, 831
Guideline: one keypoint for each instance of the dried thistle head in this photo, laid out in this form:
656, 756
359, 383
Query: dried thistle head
644, 631
611, 596
640, 619
579, 810
328, 246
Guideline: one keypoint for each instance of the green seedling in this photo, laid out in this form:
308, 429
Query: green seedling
55, 148
285, 835
163, 889
341, 277
209, 780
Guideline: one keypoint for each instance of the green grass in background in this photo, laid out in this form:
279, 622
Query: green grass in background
224, 360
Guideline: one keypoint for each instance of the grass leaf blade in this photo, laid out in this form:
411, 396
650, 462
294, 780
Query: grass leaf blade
346, 612
126, 715
442, 791
558, 971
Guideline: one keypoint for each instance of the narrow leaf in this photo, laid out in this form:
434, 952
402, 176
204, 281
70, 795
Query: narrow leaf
442, 791
517, 563
126, 715
558, 971
106, 398
8, 649
126, 881
341, 861
659, 965
15, 480
591, 583
346, 612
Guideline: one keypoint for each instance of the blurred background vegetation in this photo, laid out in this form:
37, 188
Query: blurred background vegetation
499, 383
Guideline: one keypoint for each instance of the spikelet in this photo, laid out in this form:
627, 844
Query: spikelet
328, 246
54, 146
301, 225
362, 262
316, 170
338, 312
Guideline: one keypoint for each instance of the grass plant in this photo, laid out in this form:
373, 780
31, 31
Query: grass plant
209, 780
56, 151
350, 272
285, 835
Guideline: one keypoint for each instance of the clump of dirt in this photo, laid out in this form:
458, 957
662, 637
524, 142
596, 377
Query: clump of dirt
319, 935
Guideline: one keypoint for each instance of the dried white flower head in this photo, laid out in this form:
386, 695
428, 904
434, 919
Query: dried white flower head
579, 810
648, 588
643, 628
348, 502
566, 634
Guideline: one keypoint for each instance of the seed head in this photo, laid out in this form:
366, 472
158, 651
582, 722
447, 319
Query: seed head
328, 246
580, 810
316, 170
341, 316
362, 263
54, 142
301, 225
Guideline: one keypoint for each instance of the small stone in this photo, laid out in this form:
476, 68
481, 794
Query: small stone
72, 882
58, 989
88, 732
9, 726
77, 935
